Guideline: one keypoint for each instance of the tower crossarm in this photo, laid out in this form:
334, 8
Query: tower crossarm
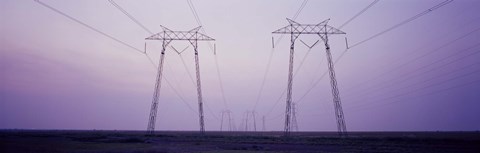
296, 28
190, 35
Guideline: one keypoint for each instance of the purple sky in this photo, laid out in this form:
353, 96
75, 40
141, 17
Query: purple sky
57, 74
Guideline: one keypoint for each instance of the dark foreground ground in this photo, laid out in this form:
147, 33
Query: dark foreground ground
234, 142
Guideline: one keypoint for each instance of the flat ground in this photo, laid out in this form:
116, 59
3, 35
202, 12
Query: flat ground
52, 141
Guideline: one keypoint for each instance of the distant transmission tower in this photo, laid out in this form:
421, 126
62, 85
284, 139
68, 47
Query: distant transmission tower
250, 115
167, 36
263, 124
322, 30
227, 115
294, 118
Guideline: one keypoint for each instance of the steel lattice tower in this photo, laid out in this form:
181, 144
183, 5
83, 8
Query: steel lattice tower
294, 125
228, 115
167, 36
252, 115
322, 30
263, 124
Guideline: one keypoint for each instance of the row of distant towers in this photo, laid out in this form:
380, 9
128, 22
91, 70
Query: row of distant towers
249, 121
294, 29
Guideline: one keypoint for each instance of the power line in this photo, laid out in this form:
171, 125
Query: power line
168, 36
199, 22
300, 9
438, 67
473, 65
129, 16
88, 26
317, 69
147, 30
311, 88
343, 53
277, 116
348, 21
428, 86
371, 105
412, 73
212, 113
439, 76
418, 57
197, 19
295, 74
262, 84
415, 51
185, 66
179, 96
403, 22
419, 48
269, 61
195, 14
438, 91
358, 14
393, 69
117, 40
173, 89
221, 82
316, 82
376, 35
295, 30
415, 90
175, 79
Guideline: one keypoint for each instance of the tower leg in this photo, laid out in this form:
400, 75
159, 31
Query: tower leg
288, 111
341, 126
153, 110
263, 123
246, 121
254, 121
294, 117
221, 121
229, 121
199, 89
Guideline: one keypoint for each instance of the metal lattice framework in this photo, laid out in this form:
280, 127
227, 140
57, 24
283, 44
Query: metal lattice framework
167, 36
250, 115
296, 28
227, 115
294, 125
322, 30
192, 35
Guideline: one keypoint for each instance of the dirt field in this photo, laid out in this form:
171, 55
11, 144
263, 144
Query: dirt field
13, 141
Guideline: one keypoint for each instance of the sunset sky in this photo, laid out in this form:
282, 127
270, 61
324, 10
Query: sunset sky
423, 75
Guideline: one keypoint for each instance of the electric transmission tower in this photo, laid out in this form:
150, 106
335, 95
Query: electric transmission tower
252, 115
322, 30
167, 36
263, 124
228, 115
294, 118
